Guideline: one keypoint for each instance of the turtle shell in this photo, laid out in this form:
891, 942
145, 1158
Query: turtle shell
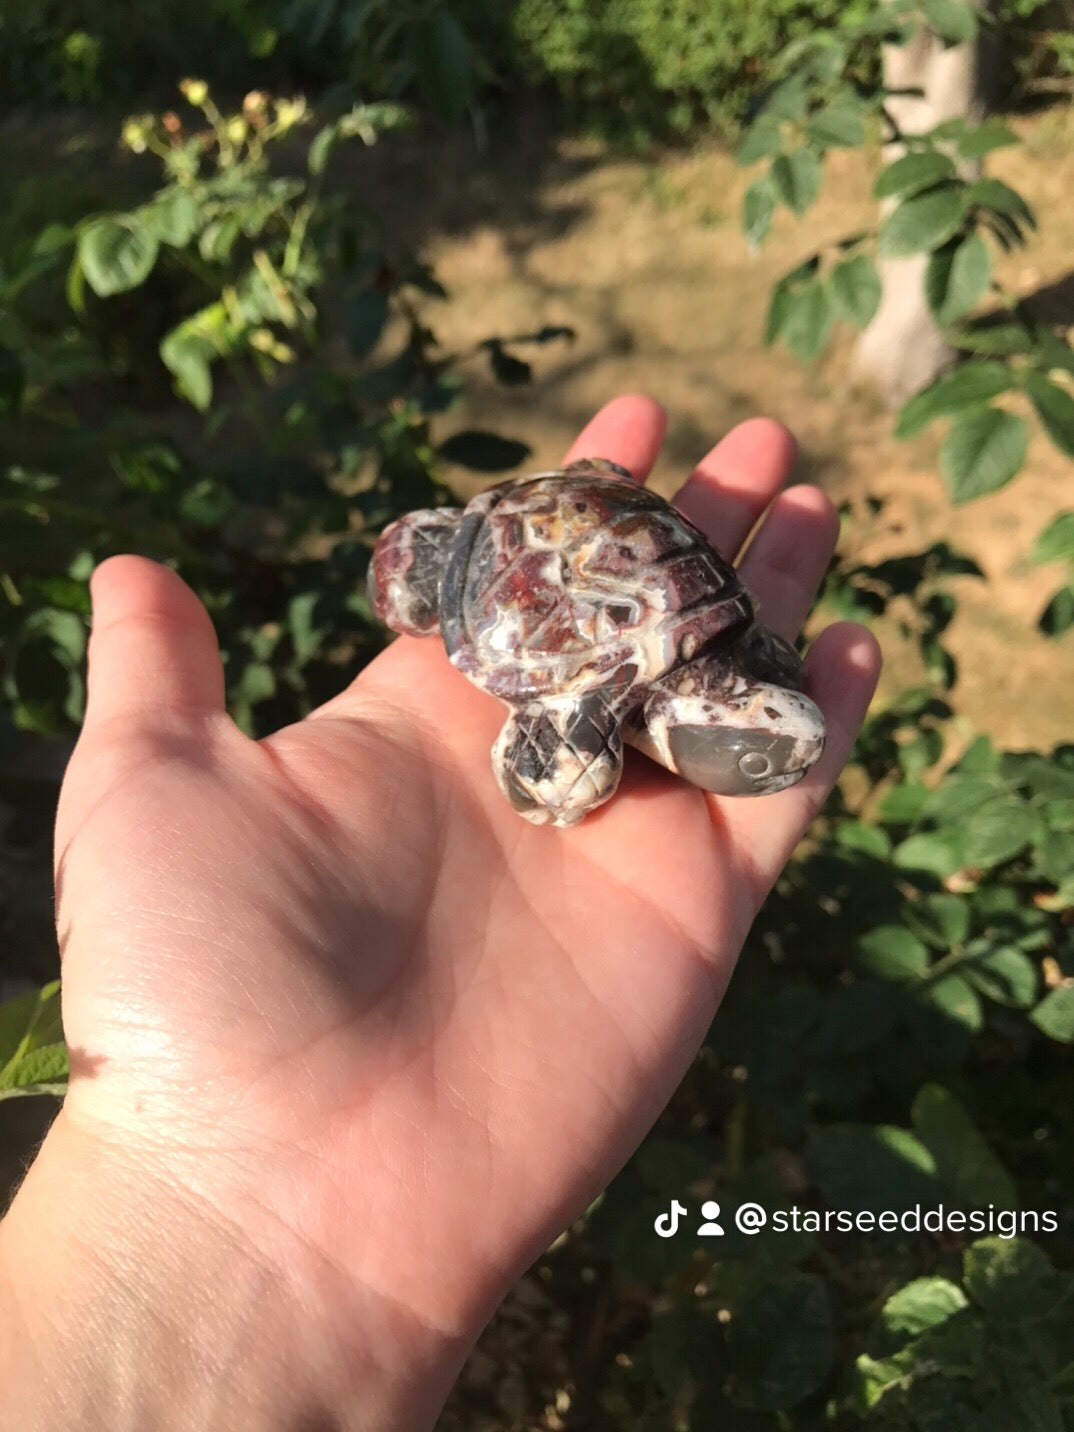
578, 579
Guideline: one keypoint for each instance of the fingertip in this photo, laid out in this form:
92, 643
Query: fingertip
854, 645
628, 430
842, 668
126, 575
736, 480
769, 441
152, 647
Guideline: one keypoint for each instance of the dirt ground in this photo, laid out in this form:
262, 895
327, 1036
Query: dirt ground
646, 260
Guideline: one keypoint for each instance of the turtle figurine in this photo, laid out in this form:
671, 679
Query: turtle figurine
599, 615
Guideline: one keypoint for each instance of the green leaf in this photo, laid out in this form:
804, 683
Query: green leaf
172, 218
1055, 408
957, 796
870, 1166
1000, 198
1000, 830
837, 126
483, 452
1001, 973
782, 1341
1060, 813
978, 759
963, 1159
922, 222
952, 20
863, 838
1001, 339
321, 148
17, 1015
854, 1018
982, 452
305, 635
116, 255
789, 99
954, 998
808, 322
1011, 1279
218, 238
902, 804
257, 683
956, 277
1054, 1016
942, 920
758, 207
1053, 352
30, 1024
1058, 616
46, 1065
855, 290
1056, 542
944, 1016
982, 139
797, 179
938, 853
968, 386
64, 629
779, 308
892, 953
925, 1303
763, 138
911, 173
440, 53
188, 356
206, 503
367, 313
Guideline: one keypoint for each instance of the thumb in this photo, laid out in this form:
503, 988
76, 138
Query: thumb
153, 652
154, 668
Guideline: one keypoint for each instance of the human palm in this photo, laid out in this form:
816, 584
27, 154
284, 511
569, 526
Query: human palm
330, 981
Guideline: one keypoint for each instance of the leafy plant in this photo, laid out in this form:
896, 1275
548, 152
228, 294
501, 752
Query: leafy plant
245, 389
653, 70
939, 208
33, 1056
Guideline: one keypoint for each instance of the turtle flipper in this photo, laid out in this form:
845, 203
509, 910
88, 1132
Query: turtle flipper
556, 760
408, 563
724, 724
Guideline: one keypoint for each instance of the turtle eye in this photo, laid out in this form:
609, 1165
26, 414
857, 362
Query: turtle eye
755, 764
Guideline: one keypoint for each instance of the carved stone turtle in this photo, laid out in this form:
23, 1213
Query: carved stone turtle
600, 615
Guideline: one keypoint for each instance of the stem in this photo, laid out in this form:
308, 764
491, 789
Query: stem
297, 238
942, 968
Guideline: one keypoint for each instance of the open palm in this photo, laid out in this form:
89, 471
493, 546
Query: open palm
334, 984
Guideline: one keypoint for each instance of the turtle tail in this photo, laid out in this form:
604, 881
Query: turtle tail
557, 760
408, 564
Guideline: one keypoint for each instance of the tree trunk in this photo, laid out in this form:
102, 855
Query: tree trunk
902, 350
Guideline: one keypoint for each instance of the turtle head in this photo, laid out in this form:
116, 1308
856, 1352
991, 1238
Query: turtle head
407, 566
734, 736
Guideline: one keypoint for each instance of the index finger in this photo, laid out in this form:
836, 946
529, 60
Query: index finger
627, 431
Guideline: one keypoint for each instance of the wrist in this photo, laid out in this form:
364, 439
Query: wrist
130, 1300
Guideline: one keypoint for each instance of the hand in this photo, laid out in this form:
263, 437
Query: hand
339, 1003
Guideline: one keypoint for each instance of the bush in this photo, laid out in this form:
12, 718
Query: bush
248, 289
655, 68
73, 50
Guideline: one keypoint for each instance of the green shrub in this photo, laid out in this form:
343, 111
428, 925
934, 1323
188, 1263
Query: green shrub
125, 54
652, 68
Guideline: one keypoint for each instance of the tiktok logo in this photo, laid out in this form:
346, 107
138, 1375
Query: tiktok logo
667, 1224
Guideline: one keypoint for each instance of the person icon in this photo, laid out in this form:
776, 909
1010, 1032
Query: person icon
710, 1211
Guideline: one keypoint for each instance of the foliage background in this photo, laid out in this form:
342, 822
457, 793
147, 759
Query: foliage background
214, 350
